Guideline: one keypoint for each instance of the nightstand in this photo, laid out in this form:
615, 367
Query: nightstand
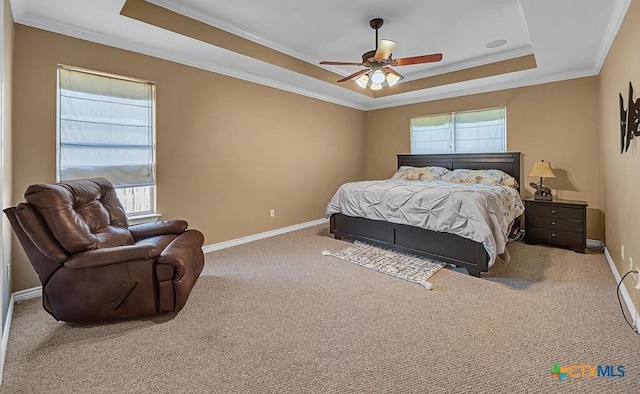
559, 222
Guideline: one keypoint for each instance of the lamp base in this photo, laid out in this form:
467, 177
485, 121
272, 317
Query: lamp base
542, 198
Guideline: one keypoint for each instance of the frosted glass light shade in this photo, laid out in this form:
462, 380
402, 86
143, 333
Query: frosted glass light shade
377, 77
392, 79
362, 81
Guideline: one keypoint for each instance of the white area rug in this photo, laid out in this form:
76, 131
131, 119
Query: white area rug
415, 269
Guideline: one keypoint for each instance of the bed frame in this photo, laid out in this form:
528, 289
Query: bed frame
445, 247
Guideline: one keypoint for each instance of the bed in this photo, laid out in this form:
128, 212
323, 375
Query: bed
443, 246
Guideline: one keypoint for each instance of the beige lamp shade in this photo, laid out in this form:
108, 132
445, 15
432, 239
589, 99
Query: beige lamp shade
542, 169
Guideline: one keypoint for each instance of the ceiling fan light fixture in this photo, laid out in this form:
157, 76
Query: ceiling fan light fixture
377, 77
378, 61
392, 78
363, 81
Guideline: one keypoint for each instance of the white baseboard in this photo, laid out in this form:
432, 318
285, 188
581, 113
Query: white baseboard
27, 294
594, 243
18, 296
5, 336
623, 289
266, 234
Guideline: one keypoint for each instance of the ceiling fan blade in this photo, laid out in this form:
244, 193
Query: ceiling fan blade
355, 74
385, 49
341, 63
436, 57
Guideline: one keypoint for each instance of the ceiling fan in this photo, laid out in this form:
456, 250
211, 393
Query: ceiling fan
379, 73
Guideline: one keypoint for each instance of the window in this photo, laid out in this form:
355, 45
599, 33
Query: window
106, 129
471, 131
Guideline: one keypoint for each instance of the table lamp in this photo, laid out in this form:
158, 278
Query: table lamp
542, 169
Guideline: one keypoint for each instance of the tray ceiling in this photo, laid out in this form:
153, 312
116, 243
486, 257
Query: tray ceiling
279, 43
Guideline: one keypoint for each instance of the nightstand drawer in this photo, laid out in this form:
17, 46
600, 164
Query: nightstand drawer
559, 222
555, 236
555, 223
553, 211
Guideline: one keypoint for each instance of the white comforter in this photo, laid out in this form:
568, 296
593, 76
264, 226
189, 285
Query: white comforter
478, 212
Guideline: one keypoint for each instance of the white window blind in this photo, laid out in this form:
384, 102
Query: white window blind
431, 134
471, 131
105, 128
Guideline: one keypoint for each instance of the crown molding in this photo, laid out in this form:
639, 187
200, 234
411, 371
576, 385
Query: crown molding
615, 21
18, 8
39, 22
494, 87
523, 16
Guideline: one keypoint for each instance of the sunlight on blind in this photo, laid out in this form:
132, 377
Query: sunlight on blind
480, 131
472, 131
105, 128
431, 134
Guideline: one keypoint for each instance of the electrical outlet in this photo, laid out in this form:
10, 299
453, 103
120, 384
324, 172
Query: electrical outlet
622, 251
272, 213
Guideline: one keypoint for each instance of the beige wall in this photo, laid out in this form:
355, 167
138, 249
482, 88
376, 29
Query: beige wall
556, 122
5, 146
621, 172
227, 150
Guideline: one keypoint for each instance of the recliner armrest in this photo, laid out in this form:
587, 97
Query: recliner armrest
108, 256
146, 230
181, 251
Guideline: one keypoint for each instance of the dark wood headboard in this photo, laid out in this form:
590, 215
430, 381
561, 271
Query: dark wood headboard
508, 162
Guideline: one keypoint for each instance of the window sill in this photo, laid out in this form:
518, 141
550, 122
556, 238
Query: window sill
141, 219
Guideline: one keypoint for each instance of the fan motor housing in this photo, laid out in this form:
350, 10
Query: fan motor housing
376, 23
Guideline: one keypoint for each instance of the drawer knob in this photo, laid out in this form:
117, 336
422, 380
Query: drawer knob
553, 234
553, 223
553, 211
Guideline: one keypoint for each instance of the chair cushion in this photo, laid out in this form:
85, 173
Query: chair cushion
81, 214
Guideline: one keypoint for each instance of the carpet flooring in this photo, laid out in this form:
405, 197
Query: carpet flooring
277, 316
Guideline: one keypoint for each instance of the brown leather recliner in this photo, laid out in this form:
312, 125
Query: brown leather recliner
94, 266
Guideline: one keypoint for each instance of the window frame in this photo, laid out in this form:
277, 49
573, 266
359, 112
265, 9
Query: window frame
153, 194
452, 132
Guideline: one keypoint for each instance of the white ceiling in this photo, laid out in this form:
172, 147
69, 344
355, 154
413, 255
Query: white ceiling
569, 38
